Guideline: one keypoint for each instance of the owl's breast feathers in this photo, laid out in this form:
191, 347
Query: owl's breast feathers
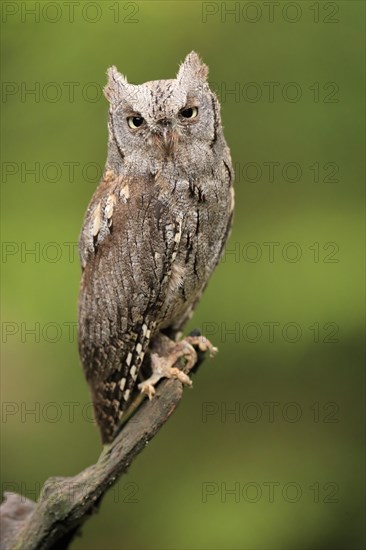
147, 248
148, 235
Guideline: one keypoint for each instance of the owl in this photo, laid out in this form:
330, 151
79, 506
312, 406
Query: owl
152, 234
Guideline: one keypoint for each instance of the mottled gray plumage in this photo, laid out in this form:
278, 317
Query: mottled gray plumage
154, 229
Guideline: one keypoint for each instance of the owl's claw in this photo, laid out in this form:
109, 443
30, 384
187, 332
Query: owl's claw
147, 388
203, 344
179, 375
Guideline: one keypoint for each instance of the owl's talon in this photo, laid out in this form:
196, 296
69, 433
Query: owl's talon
179, 375
147, 388
203, 344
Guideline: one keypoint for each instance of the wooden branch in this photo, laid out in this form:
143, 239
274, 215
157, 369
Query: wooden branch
65, 503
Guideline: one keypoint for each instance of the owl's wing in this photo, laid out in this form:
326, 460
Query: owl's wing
127, 245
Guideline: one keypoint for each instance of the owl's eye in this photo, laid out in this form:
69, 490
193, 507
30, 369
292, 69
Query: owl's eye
191, 112
135, 121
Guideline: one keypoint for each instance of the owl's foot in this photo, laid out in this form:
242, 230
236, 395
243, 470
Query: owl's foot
162, 366
202, 343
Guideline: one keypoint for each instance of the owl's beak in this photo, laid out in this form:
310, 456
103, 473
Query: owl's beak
166, 133
167, 136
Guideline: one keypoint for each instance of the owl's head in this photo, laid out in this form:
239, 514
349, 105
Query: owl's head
162, 118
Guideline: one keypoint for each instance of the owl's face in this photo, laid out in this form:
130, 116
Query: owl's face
160, 119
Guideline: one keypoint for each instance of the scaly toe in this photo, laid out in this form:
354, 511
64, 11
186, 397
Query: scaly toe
147, 388
203, 344
181, 376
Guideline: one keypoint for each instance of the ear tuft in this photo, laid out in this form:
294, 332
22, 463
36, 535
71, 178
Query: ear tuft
117, 83
193, 68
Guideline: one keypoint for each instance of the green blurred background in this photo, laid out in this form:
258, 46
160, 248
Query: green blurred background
285, 470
